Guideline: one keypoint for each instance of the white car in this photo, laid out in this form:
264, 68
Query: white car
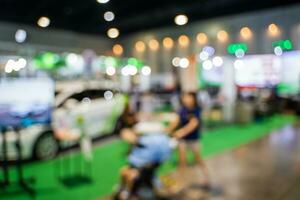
92, 112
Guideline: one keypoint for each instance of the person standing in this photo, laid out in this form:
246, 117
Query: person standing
188, 133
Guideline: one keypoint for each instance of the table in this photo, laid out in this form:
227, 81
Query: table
70, 170
19, 163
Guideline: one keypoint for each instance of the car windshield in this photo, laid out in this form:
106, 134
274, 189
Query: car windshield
91, 94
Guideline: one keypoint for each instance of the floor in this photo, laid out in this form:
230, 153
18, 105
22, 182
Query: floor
225, 165
267, 169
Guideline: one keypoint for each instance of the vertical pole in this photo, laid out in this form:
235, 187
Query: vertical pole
228, 90
5, 164
19, 159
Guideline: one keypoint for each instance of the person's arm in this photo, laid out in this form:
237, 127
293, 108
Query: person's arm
187, 129
172, 125
129, 135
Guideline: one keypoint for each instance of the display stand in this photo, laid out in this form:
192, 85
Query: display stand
22, 182
4, 159
72, 170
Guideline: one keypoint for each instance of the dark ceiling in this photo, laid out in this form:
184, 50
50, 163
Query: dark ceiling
86, 16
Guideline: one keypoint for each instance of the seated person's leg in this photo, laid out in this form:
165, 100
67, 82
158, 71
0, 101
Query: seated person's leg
128, 177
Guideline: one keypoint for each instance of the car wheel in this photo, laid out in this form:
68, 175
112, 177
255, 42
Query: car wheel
46, 147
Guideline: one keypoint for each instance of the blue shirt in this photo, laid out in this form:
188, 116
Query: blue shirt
185, 116
151, 149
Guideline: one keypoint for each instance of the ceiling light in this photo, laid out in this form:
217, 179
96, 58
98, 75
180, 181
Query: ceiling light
183, 41
246, 33
113, 33
168, 43
154, 45
43, 22
202, 38
118, 49
140, 46
222, 36
109, 16
102, 1
20, 36
181, 20
273, 30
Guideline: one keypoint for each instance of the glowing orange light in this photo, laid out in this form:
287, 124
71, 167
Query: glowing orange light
118, 49
183, 41
222, 36
273, 30
153, 45
140, 46
202, 38
168, 43
246, 33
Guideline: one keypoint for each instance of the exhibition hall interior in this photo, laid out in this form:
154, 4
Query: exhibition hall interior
149, 100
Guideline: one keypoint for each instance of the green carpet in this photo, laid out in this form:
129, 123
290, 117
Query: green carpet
108, 159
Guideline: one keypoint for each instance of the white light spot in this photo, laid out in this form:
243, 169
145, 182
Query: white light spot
113, 33
20, 36
129, 70
132, 70
175, 61
43, 22
86, 100
21, 63
181, 20
109, 16
239, 64
9, 67
108, 95
210, 50
217, 61
240, 53
203, 55
110, 70
184, 62
207, 65
278, 51
72, 59
125, 71
102, 1
12, 65
146, 70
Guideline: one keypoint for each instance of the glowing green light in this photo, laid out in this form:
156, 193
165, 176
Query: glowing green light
288, 44
49, 61
111, 61
132, 61
135, 62
232, 48
284, 44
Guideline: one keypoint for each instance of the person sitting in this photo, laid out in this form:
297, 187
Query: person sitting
147, 154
